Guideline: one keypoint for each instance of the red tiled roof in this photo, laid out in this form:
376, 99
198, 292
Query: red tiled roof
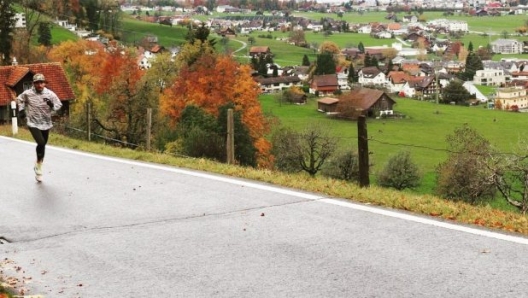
394, 26
322, 81
11, 76
398, 77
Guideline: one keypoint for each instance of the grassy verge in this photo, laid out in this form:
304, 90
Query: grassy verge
429, 205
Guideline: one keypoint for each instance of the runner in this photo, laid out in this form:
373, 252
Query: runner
36, 104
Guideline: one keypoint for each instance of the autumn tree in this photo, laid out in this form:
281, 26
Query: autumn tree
126, 96
298, 38
330, 47
291, 94
212, 82
82, 61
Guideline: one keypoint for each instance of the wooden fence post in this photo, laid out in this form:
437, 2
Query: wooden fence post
149, 127
363, 152
230, 146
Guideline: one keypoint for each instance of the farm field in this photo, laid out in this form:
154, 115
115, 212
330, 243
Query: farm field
479, 24
422, 132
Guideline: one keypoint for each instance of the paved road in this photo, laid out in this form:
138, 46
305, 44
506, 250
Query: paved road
103, 227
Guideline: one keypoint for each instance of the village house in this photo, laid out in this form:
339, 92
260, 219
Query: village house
342, 77
20, 20
327, 105
324, 84
512, 98
396, 80
15, 79
489, 77
507, 46
371, 76
277, 84
423, 87
257, 51
365, 101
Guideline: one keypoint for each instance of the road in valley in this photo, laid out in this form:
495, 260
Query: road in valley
106, 227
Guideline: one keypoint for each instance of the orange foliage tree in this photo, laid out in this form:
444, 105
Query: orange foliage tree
82, 61
212, 82
127, 96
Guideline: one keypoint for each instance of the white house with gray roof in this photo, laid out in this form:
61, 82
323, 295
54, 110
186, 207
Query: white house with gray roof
507, 46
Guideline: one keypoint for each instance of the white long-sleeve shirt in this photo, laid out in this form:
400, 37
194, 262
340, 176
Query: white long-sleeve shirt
38, 112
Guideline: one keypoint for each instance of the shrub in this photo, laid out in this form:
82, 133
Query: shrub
345, 166
465, 175
400, 172
284, 140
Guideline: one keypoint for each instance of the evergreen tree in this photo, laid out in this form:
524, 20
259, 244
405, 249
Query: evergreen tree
201, 33
390, 66
361, 47
275, 71
305, 61
455, 92
44, 34
254, 63
245, 151
367, 61
473, 63
92, 13
262, 68
7, 22
325, 64
352, 76
374, 62
470, 47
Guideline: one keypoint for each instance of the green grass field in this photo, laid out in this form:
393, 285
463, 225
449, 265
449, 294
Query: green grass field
422, 132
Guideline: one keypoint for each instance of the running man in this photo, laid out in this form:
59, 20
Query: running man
36, 104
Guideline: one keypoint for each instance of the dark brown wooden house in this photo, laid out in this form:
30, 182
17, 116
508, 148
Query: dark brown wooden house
365, 101
327, 104
258, 51
14, 79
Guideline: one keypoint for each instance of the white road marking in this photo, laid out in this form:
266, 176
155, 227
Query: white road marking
380, 211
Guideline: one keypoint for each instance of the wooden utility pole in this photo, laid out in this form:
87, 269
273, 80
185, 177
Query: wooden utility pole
149, 126
363, 152
230, 146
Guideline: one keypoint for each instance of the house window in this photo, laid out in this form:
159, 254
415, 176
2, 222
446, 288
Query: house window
27, 85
